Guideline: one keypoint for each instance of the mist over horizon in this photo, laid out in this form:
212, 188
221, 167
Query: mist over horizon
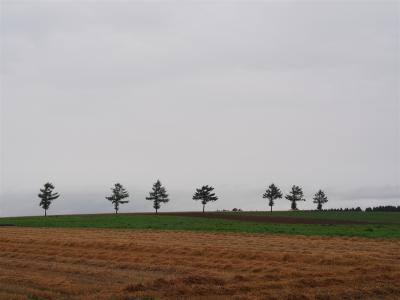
233, 95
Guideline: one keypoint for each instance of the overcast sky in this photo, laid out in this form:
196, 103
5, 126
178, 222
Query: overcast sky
235, 95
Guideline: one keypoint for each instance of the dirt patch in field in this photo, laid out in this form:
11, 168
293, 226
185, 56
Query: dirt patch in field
45, 263
261, 219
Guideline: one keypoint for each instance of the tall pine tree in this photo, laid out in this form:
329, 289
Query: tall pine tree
295, 195
272, 193
158, 195
204, 194
320, 198
119, 193
47, 196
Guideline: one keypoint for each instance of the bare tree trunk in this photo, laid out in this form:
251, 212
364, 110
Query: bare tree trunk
271, 208
203, 207
294, 205
45, 212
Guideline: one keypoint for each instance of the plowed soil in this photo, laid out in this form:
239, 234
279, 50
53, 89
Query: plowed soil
44, 263
262, 219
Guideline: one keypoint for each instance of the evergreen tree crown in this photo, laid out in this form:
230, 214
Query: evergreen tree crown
273, 192
118, 194
205, 194
47, 196
296, 194
320, 198
158, 195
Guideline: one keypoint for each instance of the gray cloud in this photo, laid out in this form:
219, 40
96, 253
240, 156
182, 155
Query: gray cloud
236, 95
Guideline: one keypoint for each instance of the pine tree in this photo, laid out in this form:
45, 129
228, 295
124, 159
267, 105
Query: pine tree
320, 198
272, 193
47, 196
204, 194
118, 194
295, 195
158, 195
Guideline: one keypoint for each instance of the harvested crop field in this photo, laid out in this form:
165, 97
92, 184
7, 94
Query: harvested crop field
56, 263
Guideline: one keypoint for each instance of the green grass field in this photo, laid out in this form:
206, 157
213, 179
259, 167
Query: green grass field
388, 225
370, 217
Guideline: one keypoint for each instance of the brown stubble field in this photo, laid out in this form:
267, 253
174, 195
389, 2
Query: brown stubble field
44, 263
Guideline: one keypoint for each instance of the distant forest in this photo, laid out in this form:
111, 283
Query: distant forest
368, 209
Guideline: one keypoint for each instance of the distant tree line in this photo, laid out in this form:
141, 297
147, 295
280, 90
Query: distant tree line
344, 209
383, 208
368, 209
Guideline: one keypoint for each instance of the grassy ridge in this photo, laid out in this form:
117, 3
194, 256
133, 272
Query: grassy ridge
138, 221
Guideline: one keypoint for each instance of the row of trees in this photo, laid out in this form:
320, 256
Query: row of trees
158, 195
295, 195
205, 194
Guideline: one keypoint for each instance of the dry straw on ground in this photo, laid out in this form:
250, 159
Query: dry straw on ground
43, 263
